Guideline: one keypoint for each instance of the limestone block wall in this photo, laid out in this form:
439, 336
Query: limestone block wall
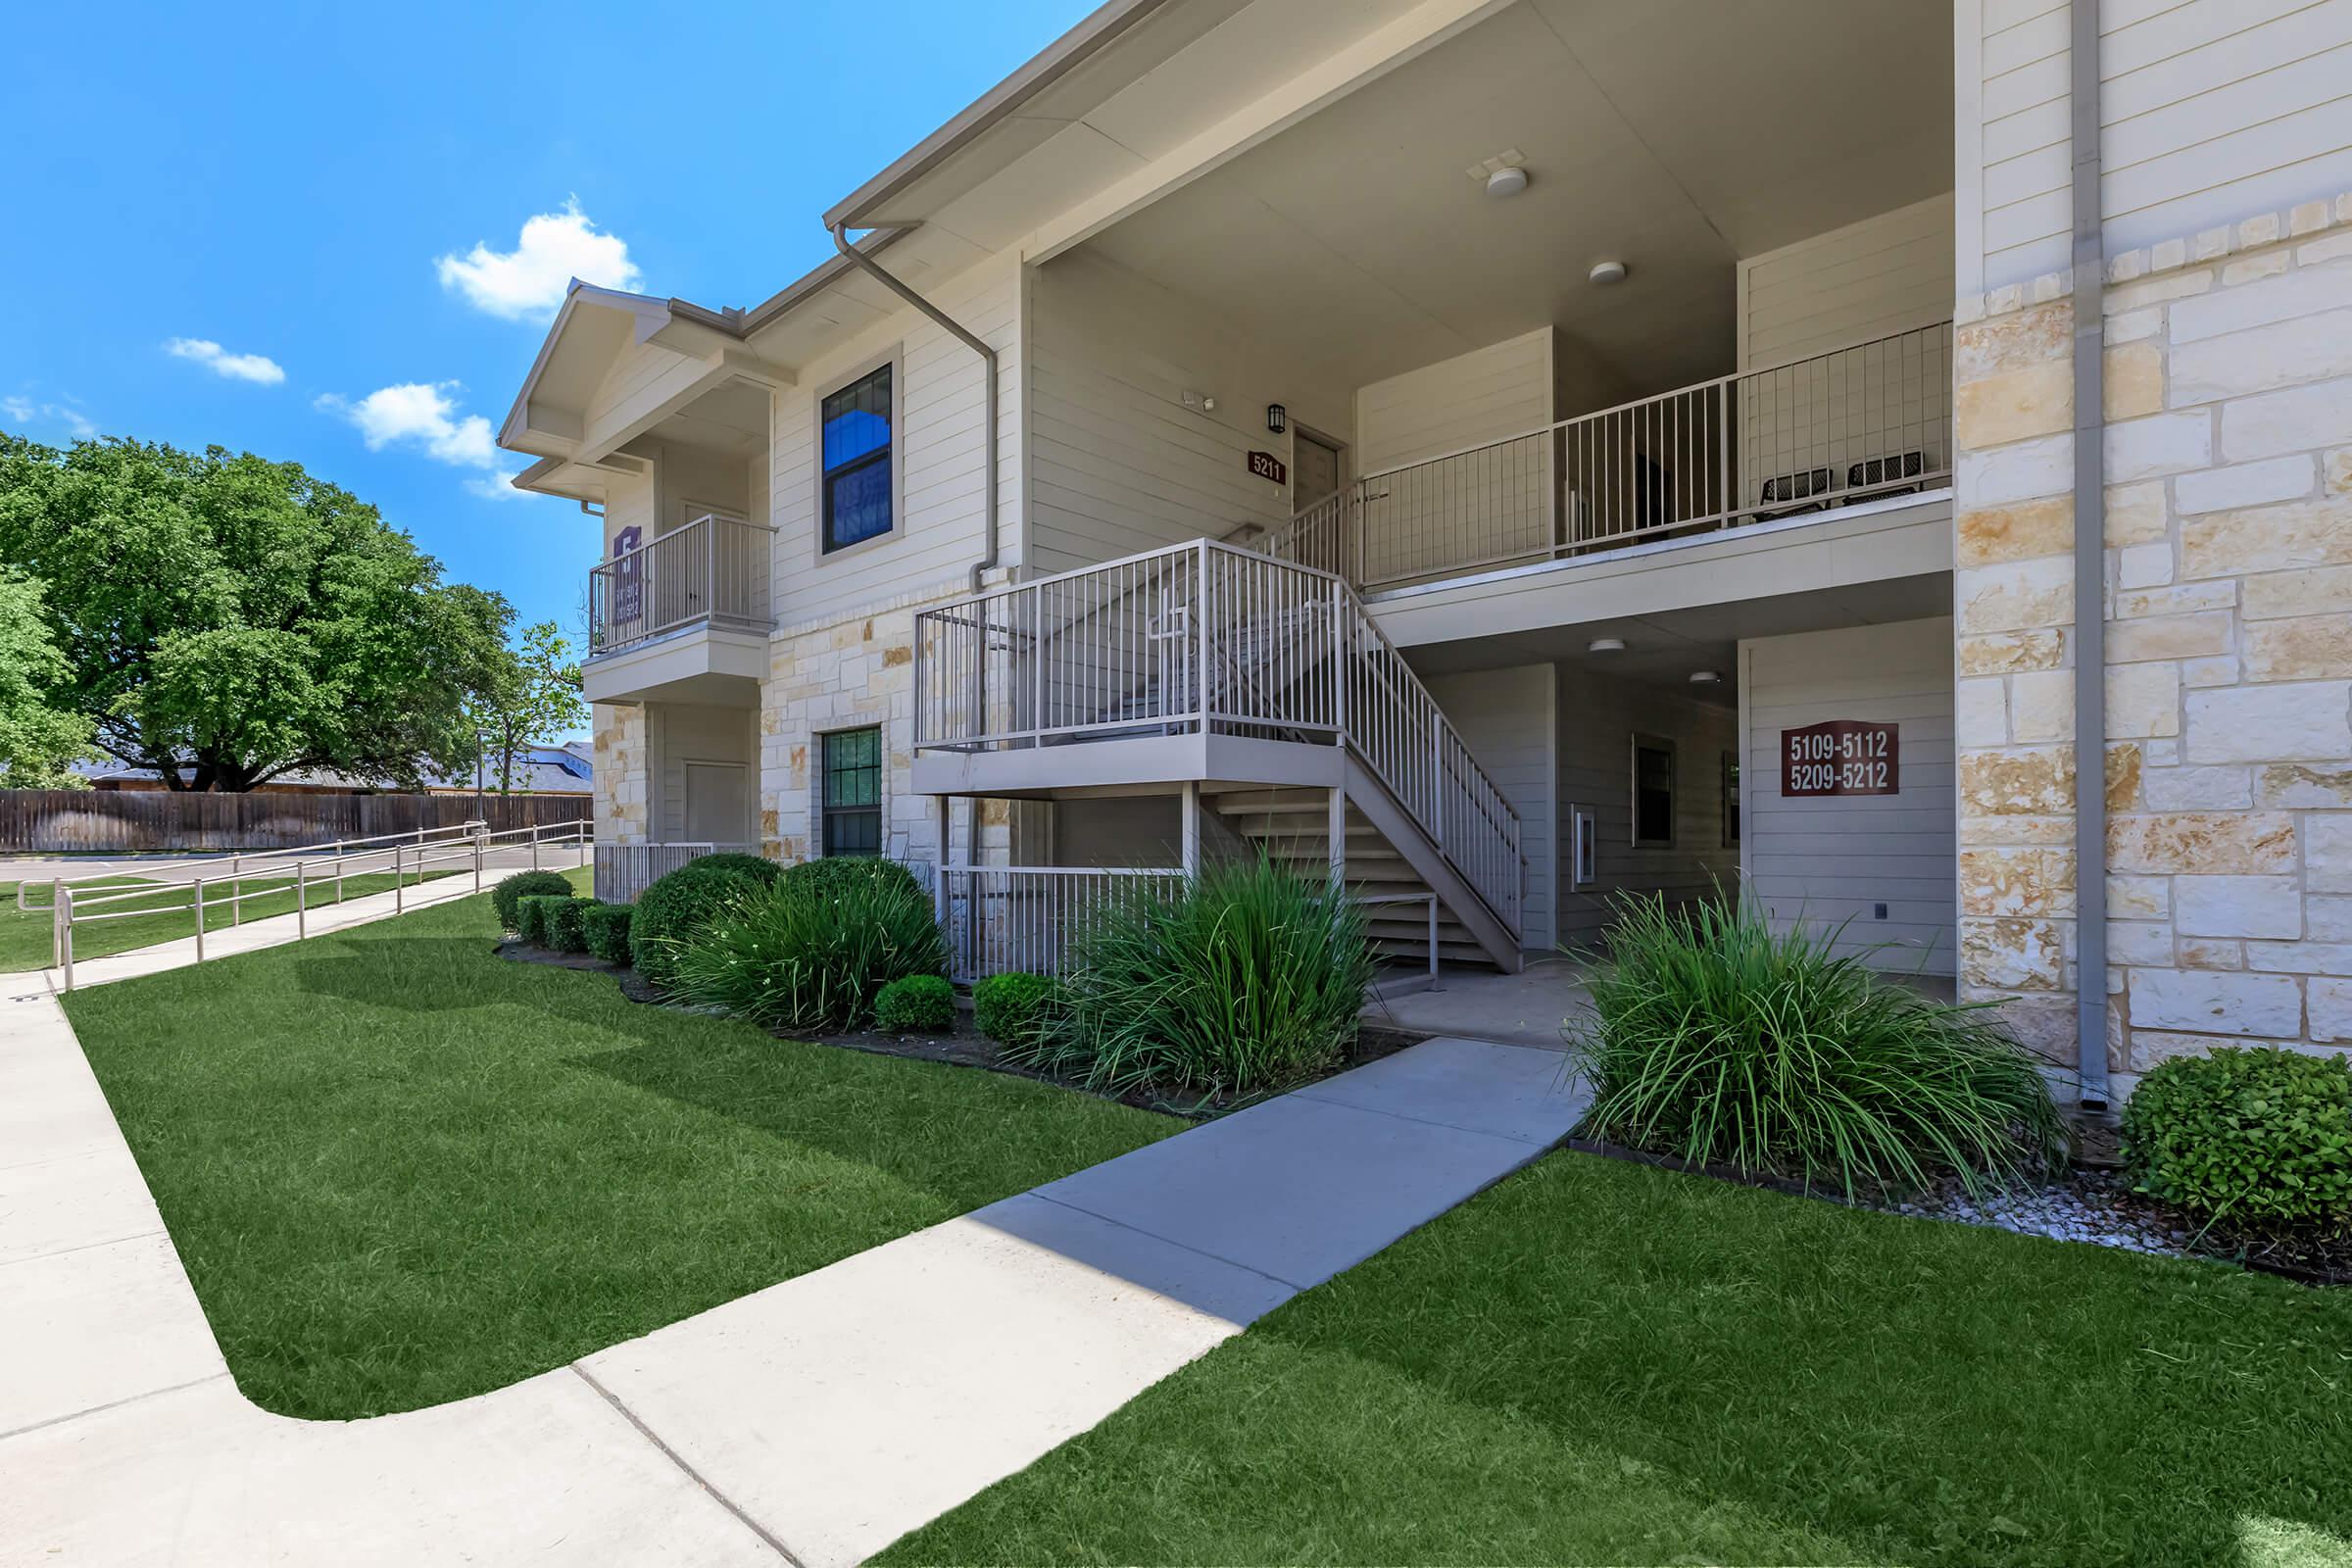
847, 673
2229, 644
621, 765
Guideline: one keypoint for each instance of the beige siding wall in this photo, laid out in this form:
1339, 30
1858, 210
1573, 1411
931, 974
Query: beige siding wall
1487, 508
1507, 718
940, 387
679, 733
1825, 861
1500, 390
629, 502
2209, 110
1600, 716
1883, 275
1117, 463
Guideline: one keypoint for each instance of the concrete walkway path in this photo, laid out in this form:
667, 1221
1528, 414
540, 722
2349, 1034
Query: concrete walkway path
812, 1422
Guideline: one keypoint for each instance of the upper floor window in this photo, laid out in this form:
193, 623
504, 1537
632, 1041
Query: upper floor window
854, 427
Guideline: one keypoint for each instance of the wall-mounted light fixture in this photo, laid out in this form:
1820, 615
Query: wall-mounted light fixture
1278, 418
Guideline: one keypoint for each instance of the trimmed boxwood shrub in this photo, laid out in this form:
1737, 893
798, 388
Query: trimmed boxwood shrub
535, 914
800, 956
919, 1004
566, 925
828, 876
507, 896
2257, 1138
1009, 1008
673, 907
606, 928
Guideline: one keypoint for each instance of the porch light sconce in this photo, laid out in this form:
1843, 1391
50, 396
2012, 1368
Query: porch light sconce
1605, 645
1278, 418
1605, 273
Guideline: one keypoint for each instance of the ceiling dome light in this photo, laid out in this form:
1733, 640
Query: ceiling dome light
1504, 183
1605, 645
1704, 677
1606, 273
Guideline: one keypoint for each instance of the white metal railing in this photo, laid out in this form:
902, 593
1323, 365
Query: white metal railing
1872, 418
408, 859
711, 570
1210, 637
625, 870
1004, 920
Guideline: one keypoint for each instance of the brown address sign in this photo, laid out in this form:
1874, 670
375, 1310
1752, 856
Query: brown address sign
1842, 756
1266, 465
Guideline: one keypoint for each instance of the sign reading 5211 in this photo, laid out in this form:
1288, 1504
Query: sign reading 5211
1842, 756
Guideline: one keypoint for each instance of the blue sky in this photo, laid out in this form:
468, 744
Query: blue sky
228, 226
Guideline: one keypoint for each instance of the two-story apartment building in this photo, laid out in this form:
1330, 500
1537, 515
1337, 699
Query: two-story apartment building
1519, 451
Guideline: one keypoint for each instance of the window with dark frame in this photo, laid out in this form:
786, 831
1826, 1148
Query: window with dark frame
852, 800
1730, 799
854, 426
1653, 792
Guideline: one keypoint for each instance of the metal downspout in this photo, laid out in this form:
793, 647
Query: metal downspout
987, 358
2090, 571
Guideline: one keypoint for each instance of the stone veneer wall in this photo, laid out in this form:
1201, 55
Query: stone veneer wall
2228, 558
621, 792
843, 674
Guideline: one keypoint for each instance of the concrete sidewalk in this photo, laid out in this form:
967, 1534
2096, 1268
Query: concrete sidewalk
812, 1422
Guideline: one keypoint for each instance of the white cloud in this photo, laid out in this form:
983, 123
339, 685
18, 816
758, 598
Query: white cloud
529, 280
258, 367
23, 411
422, 414
498, 486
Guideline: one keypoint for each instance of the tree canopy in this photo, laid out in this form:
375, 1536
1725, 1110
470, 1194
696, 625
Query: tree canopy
40, 742
226, 620
533, 695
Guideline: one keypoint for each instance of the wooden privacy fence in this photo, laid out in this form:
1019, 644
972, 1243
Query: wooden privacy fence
123, 821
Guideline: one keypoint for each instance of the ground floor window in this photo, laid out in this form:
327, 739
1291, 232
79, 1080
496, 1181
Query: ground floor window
851, 797
1653, 791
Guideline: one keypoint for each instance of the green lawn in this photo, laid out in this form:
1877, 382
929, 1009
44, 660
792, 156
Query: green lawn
402, 1170
1599, 1363
24, 934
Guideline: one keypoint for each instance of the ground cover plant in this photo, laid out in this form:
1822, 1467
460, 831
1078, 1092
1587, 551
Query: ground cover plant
24, 934
1600, 1363
1717, 1039
402, 1170
2259, 1140
1247, 977
812, 953
676, 906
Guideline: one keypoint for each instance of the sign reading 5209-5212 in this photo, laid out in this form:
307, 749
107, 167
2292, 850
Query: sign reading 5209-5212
1843, 757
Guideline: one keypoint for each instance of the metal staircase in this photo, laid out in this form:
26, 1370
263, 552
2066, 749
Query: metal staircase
1270, 675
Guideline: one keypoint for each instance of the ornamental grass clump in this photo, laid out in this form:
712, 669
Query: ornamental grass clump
1719, 1040
800, 955
1247, 977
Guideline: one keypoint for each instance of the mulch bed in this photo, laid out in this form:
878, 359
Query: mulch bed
966, 1046
2092, 1185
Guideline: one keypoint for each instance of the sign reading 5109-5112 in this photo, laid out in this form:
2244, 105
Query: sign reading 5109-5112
1843, 757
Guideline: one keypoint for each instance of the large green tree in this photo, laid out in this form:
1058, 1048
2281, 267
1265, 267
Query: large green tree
40, 742
226, 620
533, 695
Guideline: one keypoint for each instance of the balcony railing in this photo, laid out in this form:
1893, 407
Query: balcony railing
712, 571
1869, 419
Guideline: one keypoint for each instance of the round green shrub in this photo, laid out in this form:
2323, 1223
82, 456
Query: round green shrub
507, 896
1009, 1008
833, 873
795, 956
607, 926
2258, 1137
673, 907
567, 926
1718, 1039
918, 1004
535, 914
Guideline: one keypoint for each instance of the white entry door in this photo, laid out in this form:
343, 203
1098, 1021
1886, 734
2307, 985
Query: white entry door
718, 804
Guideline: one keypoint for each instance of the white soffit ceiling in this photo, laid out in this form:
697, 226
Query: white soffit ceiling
1676, 135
